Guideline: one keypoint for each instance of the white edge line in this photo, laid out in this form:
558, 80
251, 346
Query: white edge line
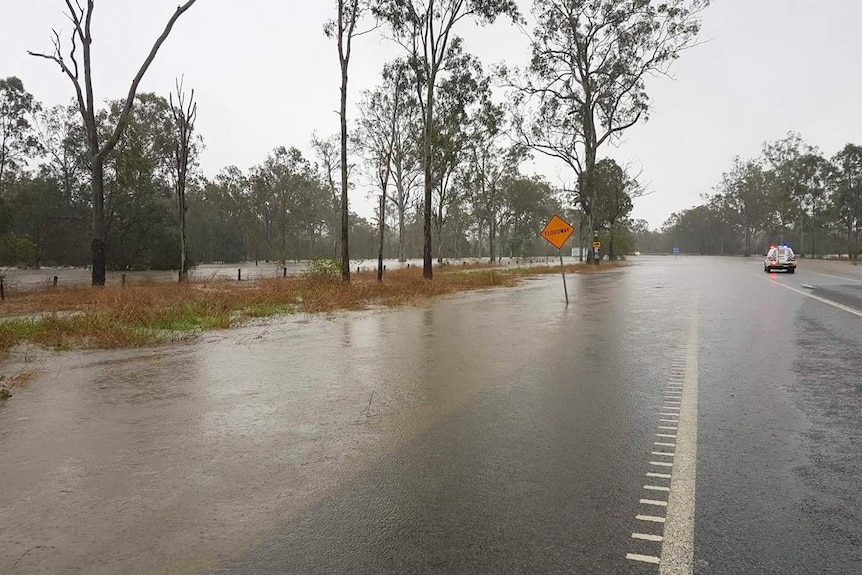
834, 304
838, 277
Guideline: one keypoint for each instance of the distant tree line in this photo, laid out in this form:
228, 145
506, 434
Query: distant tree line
285, 208
120, 186
790, 194
288, 207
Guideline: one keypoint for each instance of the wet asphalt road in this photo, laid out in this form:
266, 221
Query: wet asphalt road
491, 433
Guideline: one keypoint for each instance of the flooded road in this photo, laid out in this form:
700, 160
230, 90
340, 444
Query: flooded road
497, 432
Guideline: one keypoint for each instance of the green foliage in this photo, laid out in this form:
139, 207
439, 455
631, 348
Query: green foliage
323, 269
16, 250
790, 194
586, 82
17, 140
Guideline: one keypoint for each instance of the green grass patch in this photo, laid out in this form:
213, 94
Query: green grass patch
21, 328
261, 310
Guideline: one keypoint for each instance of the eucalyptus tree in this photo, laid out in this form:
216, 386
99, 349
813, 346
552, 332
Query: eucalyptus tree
344, 29
406, 157
847, 195
425, 29
140, 226
743, 191
184, 114
615, 189
97, 147
18, 140
329, 164
379, 115
290, 200
491, 160
223, 226
64, 147
458, 99
586, 82
388, 136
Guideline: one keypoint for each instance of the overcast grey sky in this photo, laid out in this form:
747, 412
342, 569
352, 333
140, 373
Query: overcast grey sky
265, 76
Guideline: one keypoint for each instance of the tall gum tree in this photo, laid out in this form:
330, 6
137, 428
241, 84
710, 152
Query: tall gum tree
343, 28
81, 17
585, 84
425, 29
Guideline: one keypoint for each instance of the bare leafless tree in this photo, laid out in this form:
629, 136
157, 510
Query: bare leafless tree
184, 113
81, 18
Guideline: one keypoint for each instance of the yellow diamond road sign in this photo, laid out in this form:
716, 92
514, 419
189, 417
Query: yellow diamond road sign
557, 231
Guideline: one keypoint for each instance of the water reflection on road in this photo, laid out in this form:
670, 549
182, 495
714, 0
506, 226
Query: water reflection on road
180, 458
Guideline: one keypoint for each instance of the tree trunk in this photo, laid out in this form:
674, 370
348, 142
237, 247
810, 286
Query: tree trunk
283, 241
401, 256
184, 249
382, 226
747, 251
345, 212
492, 235
427, 266
438, 224
98, 239
611, 254
581, 238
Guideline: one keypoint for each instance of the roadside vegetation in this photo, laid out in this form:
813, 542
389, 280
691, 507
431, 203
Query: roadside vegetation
154, 313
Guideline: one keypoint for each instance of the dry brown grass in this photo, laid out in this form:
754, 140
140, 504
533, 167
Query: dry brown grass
153, 312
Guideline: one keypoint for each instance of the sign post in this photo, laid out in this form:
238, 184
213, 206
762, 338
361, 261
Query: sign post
556, 233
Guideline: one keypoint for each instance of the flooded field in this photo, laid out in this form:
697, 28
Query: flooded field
30, 279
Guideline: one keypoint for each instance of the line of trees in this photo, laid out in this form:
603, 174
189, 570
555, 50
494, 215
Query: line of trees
287, 207
442, 152
792, 193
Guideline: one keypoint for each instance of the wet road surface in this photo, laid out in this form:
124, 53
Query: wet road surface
694, 412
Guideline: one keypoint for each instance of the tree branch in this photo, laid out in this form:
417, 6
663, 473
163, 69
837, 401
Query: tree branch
130, 99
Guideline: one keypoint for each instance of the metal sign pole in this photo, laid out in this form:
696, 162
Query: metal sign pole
563, 270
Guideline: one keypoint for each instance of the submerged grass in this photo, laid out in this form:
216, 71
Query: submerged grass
152, 313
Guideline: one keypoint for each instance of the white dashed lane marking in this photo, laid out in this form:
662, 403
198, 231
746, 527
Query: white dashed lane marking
656, 488
643, 558
647, 537
650, 518
659, 475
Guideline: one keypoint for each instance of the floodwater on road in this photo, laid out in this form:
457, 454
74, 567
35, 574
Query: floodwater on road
172, 459
492, 432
